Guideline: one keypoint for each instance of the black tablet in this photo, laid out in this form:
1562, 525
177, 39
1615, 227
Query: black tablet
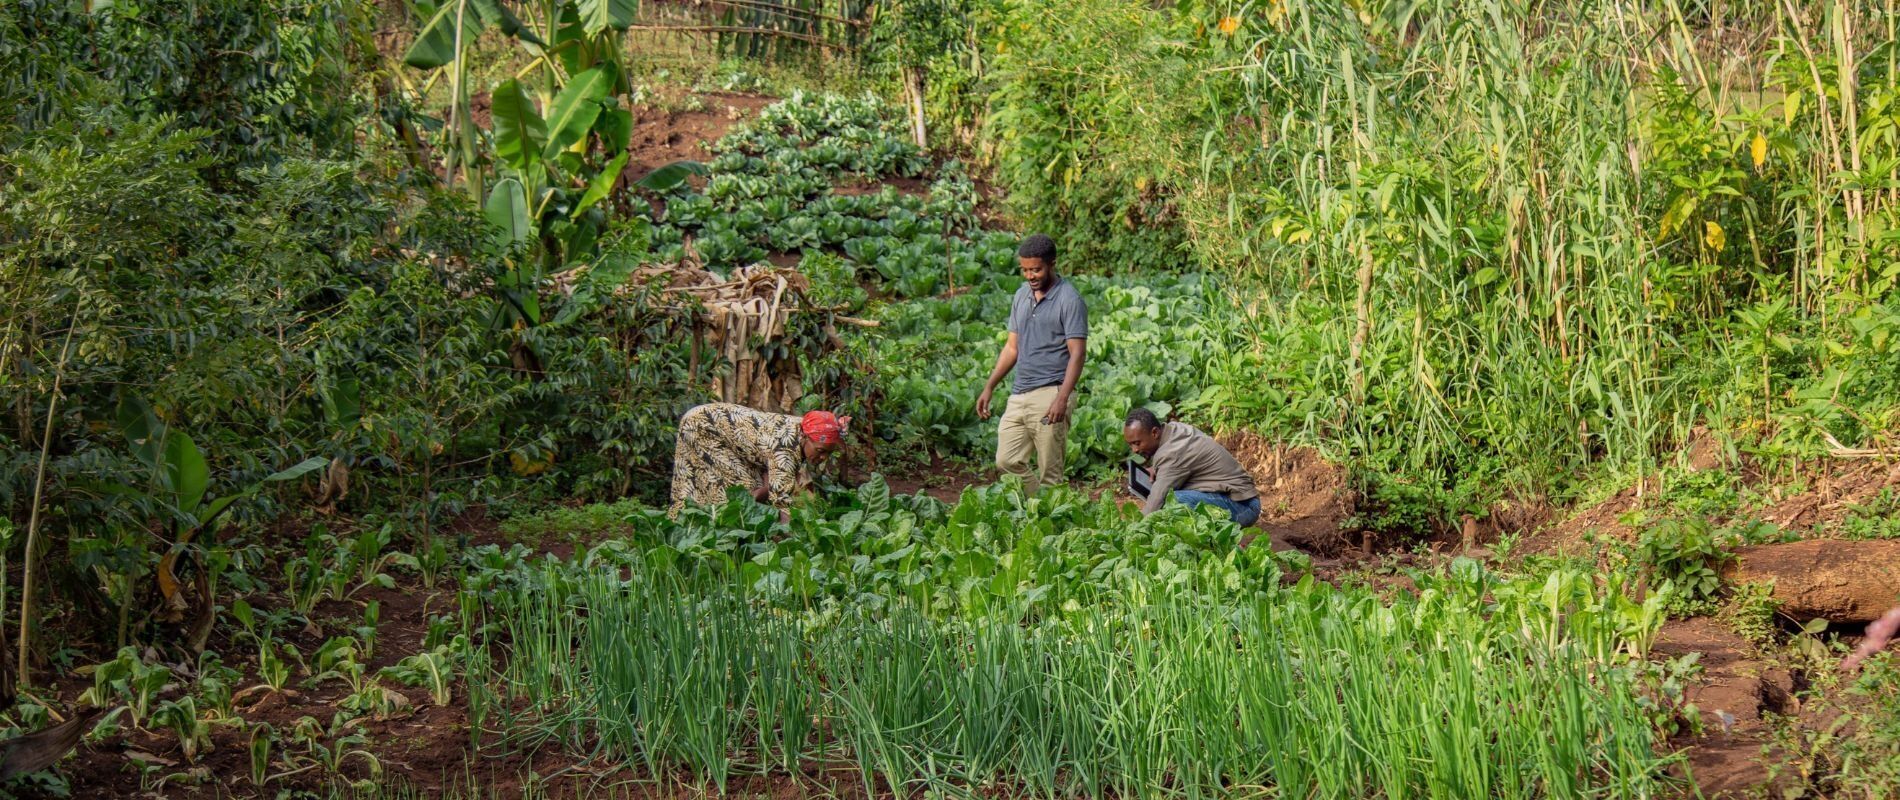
1138, 480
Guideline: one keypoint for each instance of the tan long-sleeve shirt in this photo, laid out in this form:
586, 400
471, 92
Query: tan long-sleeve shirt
1192, 460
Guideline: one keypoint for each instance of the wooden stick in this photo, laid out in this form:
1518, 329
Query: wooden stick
1362, 324
803, 37
33, 518
1838, 450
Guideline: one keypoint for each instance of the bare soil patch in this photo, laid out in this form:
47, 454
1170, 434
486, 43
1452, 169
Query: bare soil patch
1304, 498
1814, 504
1831, 494
1736, 689
943, 481
915, 187
663, 136
1571, 534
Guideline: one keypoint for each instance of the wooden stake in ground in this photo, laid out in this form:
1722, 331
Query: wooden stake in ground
1362, 324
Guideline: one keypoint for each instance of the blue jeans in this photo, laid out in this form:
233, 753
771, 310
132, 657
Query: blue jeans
1242, 513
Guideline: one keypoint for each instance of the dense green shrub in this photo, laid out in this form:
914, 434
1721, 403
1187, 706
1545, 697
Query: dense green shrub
201, 214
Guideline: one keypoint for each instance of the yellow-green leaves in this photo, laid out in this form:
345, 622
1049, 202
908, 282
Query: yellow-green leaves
1290, 230
1713, 236
601, 185
1678, 212
573, 113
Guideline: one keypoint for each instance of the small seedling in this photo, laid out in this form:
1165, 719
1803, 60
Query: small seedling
271, 668
263, 736
372, 615
431, 670
182, 718
130, 680
241, 611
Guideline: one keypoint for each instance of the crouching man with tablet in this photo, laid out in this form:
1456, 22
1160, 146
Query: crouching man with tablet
1190, 466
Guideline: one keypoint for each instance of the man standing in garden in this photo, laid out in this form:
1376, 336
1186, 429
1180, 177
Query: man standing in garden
721, 445
1191, 466
1048, 333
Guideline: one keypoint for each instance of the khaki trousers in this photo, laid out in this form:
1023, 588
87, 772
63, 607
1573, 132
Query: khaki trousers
1021, 431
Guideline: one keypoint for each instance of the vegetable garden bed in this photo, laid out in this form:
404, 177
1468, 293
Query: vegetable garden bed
1055, 648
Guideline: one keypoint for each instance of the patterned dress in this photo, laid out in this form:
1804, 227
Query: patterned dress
722, 445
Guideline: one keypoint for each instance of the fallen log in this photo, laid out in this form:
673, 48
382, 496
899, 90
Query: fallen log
1839, 581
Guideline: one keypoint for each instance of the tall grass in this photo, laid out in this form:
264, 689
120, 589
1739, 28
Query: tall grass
1517, 225
1313, 693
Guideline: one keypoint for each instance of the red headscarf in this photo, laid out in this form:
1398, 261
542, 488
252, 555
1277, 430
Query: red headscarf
822, 427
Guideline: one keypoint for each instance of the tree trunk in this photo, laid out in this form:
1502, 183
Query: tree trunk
914, 92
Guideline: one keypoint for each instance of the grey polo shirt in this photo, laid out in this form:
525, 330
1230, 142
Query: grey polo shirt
1043, 331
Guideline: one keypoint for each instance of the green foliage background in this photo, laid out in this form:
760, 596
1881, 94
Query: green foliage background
1473, 248
1480, 246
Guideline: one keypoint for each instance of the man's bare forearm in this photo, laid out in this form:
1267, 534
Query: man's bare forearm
1005, 361
1078, 353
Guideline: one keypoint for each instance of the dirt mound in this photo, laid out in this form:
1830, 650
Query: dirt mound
1303, 497
1569, 535
1839, 581
1822, 501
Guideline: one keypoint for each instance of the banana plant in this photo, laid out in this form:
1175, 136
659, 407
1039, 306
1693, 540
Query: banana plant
558, 146
549, 198
442, 44
178, 483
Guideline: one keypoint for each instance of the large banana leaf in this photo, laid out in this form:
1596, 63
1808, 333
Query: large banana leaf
599, 15
507, 210
494, 13
435, 45
671, 175
575, 109
519, 131
189, 473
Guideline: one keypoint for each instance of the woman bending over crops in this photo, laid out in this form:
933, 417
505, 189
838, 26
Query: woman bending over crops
721, 445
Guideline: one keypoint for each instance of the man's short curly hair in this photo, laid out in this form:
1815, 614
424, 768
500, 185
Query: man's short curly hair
1038, 246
